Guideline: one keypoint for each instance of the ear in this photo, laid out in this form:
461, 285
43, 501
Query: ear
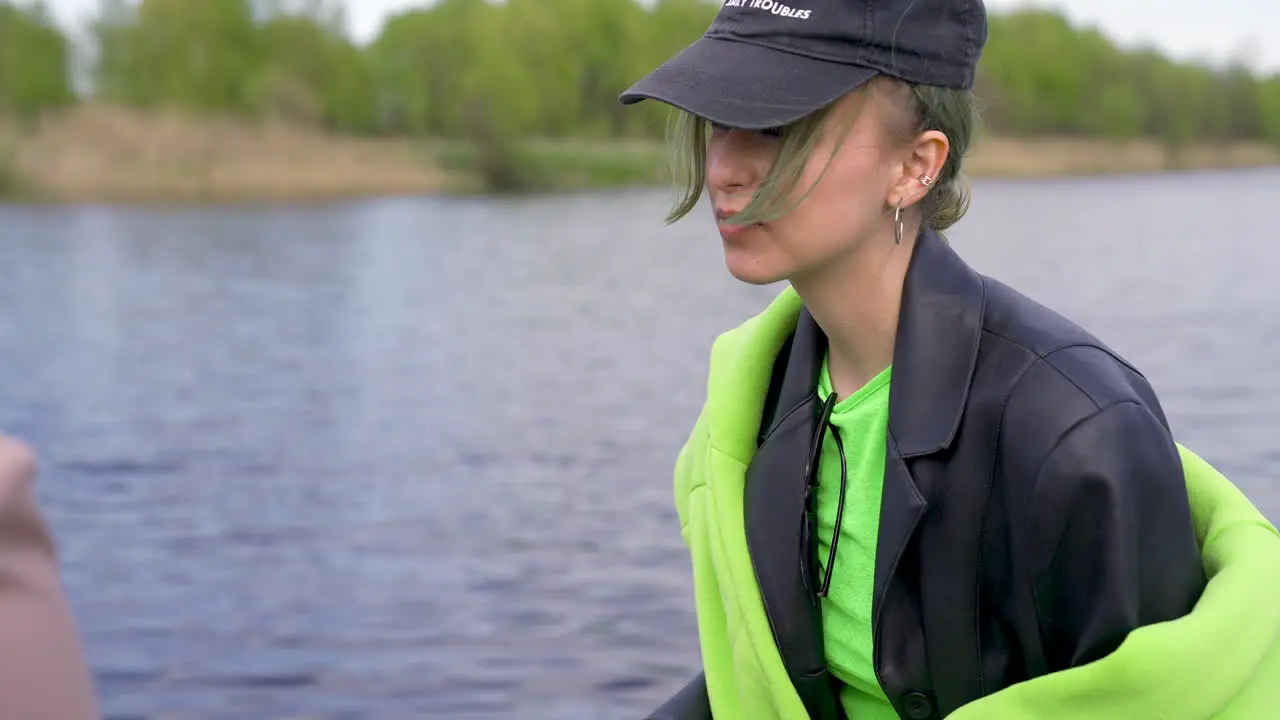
922, 161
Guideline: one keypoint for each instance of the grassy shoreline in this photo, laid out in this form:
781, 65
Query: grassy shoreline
111, 155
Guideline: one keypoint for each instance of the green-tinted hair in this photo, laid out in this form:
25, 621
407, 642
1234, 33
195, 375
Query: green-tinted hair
951, 112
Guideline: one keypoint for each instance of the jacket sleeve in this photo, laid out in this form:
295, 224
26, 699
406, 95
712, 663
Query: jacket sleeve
691, 703
1113, 545
42, 669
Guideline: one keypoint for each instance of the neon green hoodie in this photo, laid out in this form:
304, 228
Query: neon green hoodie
1222, 661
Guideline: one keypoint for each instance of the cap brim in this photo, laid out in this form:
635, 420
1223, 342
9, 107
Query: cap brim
746, 86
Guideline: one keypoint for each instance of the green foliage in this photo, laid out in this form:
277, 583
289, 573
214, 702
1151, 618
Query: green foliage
33, 62
198, 55
9, 185
313, 75
495, 74
1041, 75
1269, 110
238, 57
554, 68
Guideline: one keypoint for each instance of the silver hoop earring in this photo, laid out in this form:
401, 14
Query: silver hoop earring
897, 224
925, 180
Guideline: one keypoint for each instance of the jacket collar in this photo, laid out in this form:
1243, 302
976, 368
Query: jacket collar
935, 350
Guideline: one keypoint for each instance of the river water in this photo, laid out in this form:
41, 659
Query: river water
411, 458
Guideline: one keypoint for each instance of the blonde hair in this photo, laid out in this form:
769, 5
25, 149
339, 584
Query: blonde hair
949, 111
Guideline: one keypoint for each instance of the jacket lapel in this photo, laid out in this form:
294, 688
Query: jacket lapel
774, 509
934, 357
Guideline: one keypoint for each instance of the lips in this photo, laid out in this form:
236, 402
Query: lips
731, 232
723, 215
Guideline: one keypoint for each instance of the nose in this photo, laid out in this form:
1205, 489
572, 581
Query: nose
733, 161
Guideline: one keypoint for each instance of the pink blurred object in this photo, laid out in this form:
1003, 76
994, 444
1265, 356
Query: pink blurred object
43, 674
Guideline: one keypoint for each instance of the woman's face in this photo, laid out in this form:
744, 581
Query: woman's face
848, 210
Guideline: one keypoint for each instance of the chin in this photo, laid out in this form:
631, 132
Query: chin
752, 270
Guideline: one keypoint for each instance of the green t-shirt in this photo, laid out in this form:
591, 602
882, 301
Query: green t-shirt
862, 419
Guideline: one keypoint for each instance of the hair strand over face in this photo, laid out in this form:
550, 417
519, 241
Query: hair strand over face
951, 112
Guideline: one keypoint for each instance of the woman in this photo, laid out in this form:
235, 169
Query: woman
912, 491
42, 671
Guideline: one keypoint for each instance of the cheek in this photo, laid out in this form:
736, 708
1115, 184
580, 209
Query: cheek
842, 209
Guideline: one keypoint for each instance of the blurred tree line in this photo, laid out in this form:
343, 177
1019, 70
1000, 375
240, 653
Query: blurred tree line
34, 62
553, 68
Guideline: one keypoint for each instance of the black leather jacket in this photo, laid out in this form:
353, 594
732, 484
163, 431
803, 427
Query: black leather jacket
1034, 507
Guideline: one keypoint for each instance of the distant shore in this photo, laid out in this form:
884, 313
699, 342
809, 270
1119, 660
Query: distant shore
112, 155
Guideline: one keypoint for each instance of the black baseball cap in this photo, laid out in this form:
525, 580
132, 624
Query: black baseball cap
764, 64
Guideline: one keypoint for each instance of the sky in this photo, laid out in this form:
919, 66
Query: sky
1214, 30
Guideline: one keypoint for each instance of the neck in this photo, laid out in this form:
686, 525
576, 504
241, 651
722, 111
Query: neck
856, 302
